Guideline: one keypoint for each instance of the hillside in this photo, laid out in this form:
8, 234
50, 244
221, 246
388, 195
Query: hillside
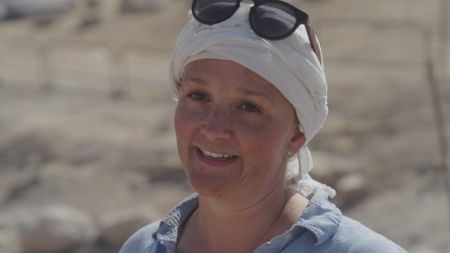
86, 120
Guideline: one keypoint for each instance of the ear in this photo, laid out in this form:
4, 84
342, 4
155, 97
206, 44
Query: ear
296, 142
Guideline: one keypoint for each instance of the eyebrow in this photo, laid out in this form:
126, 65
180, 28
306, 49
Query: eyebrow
193, 80
253, 93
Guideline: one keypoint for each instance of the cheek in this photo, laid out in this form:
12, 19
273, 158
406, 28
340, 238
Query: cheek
263, 142
178, 120
184, 128
263, 155
178, 123
185, 120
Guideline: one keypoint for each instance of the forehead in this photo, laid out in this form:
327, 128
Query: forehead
229, 73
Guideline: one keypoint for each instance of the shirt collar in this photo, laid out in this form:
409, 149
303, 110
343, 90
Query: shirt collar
320, 217
169, 227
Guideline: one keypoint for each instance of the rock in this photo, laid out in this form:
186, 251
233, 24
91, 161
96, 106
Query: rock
91, 15
116, 228
167, 169
94, 248
3, 12
89, 19
27, 148
422, 249
36, 8
54, 229
328, 168
128, 6
92, 3
9, 241
351, 189
18, 184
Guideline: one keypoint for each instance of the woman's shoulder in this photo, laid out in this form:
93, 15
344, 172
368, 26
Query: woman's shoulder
162, 233
355, 237
142, 240
331, 231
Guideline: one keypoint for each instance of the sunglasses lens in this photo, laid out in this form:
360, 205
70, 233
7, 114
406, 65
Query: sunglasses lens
214, 11
273, 20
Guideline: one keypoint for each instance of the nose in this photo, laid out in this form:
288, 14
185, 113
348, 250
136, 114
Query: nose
217, 124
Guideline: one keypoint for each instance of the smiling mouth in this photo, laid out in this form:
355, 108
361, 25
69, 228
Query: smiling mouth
216, 156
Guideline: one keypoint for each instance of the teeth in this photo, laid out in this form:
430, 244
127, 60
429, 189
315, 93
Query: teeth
215, 155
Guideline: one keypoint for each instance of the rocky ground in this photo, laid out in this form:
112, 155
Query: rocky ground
88, 154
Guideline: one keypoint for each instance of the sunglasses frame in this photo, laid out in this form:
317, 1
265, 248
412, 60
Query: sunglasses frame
301, 17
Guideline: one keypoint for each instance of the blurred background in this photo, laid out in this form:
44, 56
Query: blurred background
87, 147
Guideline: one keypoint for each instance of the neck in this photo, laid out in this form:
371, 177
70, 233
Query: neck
243, 207
227, 226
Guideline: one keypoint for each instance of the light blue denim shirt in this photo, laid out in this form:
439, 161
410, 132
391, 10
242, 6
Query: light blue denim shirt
320, 229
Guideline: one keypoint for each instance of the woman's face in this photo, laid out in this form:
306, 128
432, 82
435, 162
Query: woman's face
233, 129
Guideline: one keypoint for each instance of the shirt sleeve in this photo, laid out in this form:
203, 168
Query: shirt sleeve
357, 238
142, 240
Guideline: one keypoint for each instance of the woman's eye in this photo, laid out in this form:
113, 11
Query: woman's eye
197, 96
250, 108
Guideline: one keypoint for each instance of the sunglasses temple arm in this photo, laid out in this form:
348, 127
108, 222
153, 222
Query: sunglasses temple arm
313, 42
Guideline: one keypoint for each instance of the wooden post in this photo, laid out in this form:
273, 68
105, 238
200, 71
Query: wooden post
439, 116
117, 77
44, 66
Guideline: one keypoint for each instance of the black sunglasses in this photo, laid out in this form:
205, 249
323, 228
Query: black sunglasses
269, 19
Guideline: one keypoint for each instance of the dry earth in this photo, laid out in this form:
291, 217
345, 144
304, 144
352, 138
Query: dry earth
81, 144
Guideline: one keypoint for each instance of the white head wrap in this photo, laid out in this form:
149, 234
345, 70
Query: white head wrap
289, 64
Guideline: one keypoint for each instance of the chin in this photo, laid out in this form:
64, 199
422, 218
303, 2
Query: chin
209, 185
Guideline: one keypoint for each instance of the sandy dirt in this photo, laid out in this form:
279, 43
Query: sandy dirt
101, 138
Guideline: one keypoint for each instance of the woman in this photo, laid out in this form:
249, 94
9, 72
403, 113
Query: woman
251, 94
